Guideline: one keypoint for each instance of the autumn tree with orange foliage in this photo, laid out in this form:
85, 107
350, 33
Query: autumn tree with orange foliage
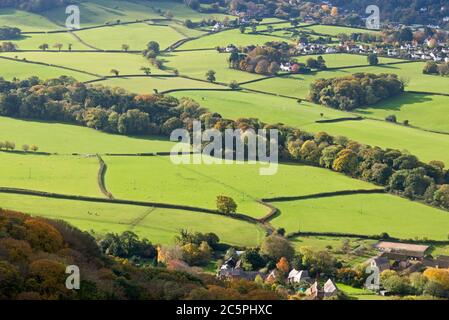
283, 265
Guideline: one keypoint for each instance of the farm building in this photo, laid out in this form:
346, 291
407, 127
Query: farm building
405, 250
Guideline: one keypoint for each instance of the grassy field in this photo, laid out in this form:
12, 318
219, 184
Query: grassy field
422, 110
135, 35
298, 85
21, 70
329, 243
222, 39
334, 246
182, 12
33, 41
158, 179
158, 225
147, 85
344, 60
426, 145
336, 30
364, 214
94, 62
25, 21
67, 139
98, 12
271, 109
59, 174
199, 64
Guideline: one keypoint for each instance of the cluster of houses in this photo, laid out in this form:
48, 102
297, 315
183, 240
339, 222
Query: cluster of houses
406, 51
404, 258
232, 269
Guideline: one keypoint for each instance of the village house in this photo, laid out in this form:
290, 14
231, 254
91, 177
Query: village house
316, 292
296, 276
230, 48
287, 67
409, 251
382, 263
232, 269
217, 27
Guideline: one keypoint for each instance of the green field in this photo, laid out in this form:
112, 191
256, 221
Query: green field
73, 169
426, 145
58, 174
94, 62
298, 85
182, 12
135, 35
222, 39
344, 60
271, 109
17, 69
66, 138
98, 12
422, 110
364, 214
336, 30
147, 85
158, 225
26, 21
199, 64
321, 243
33, 41
158, 179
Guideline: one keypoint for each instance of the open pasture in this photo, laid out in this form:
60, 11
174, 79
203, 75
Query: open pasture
34, 41
222, 39
336, 30
182, 12
430, 112
68, 138
99, 12
161, 84
194, 64
25, 21
340, 60
158, 179
93, 62
136, 36
75, 175
364, 214
271, 109
158, 225
298, 85
21, 70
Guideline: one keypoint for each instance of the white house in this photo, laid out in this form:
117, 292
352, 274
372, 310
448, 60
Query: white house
286, 67
217, 27
230, 48
296, 276
330, 289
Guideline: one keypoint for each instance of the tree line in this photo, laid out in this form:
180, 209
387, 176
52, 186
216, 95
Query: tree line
432, 67
8, 33
34, 254
267, 59
33, 5
117, 111
357, 90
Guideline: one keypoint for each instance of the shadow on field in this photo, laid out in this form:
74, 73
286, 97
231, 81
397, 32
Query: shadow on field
397, 103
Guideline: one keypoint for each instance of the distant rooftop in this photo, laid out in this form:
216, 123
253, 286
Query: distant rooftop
396, 246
